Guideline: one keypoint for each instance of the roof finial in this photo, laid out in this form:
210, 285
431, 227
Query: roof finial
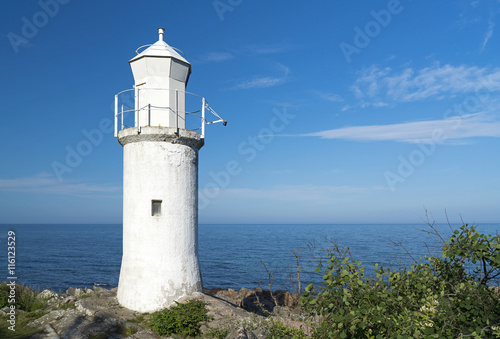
161, 31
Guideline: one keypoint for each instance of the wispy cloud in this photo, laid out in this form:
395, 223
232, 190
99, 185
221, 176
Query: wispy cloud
215, 57
262, 49
330, 97
255, 49
450, 130
382, 86
260, 82
265, 81
489, 33
48, 184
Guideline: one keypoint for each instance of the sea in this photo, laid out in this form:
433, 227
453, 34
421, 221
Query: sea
60, 256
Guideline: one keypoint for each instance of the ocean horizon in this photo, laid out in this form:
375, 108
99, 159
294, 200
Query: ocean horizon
59, 256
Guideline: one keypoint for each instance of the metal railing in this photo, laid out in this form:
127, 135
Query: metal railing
195, 107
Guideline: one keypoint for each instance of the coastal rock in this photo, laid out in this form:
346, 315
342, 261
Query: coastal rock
241, 333
48, 318
70, 300
67, 326
76, 292
47, 333
6, 310
97, 314
47, 294
290, 300
258, 300
50, 333
104, 307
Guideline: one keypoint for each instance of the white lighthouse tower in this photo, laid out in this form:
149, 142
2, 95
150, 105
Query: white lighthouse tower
160, 180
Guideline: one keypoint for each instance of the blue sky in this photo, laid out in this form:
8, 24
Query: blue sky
339, 112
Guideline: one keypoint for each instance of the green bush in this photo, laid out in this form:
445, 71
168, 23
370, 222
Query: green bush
278, 330
26, 299
182, 319
467, 245
218, 333
434, 299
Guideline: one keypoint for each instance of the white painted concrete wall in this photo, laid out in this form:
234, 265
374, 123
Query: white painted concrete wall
160, 253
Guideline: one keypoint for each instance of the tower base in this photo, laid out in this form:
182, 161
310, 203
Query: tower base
160, 217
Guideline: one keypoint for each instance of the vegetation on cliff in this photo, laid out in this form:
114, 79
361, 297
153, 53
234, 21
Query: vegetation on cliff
441, 297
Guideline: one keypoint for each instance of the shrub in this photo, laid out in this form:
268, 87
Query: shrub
26, 299
218, 333
468, 246
182, 319
278, 330
434, 299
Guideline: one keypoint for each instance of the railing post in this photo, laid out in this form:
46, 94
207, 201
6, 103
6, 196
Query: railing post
136, 122
177, 111
203, 117
116, 115
149, 114
122, 119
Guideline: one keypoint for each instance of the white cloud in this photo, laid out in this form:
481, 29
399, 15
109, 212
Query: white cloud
255, 49
265, 81
48, 184
451, 130
330, 97
262, 49
260, 82
489, 33
215, 57
375, 86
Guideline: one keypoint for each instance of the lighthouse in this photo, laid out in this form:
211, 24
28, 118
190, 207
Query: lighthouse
161, 140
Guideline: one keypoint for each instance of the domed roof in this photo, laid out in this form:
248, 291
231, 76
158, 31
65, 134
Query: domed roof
160, 49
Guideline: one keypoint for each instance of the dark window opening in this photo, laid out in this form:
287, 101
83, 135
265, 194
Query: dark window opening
156, 207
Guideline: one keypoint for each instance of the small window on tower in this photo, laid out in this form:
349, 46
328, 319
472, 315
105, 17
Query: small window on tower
156, 207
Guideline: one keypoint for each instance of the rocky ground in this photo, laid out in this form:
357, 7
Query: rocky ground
82, 314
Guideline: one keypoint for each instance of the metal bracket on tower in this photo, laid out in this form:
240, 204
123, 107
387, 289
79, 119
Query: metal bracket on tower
177, 112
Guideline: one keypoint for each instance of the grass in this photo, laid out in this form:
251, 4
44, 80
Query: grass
28, 301
128, 330
137, 320
25, 298
182, 319
83, 296
219, 332
22, 330
278, 330
67, 307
